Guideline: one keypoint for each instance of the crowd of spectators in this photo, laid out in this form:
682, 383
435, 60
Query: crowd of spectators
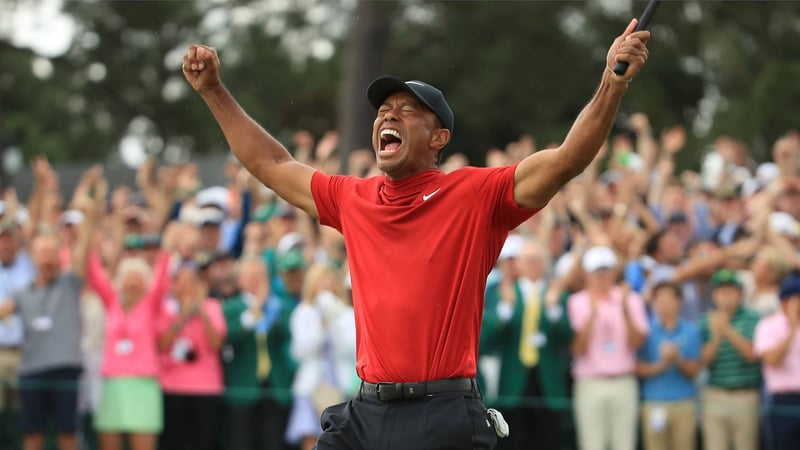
640, 307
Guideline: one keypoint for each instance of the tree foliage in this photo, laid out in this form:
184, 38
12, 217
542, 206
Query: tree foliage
507, 67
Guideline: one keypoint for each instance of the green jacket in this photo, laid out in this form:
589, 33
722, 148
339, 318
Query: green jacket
502, 338
239, 356
279, 340
555, 356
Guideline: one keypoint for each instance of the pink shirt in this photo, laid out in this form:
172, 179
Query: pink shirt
130, 347
203, 375
770, 332
608, 353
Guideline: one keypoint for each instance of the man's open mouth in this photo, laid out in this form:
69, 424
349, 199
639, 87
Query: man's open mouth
390, 140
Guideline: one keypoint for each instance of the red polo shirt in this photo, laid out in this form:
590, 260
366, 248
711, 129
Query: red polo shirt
419, 251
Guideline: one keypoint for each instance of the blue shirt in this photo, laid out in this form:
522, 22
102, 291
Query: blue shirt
15, 277
672, 384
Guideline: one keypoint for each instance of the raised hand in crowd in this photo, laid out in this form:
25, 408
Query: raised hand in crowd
89, 199
786, 154
673, 139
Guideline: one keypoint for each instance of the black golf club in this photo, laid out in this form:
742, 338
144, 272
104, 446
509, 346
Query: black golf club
622, 66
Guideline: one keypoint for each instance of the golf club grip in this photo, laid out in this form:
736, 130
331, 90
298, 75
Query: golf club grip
622, 66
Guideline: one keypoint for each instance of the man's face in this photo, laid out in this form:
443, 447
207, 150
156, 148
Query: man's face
221, 276
45, 255
601, 279
726, 297
252, 278
293, 280
670, 248
209, 236
8, 247
530, 263
666, 303
412, 144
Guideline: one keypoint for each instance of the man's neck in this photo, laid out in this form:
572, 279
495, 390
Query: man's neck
42, 281
669, 323
599, 292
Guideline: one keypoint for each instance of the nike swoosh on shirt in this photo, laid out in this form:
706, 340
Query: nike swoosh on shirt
425, 197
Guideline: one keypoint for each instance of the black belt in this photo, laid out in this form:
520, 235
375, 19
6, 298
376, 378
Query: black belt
389, 392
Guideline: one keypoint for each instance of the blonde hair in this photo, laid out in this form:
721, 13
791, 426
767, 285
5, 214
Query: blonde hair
314, 275
132, 264
777, 263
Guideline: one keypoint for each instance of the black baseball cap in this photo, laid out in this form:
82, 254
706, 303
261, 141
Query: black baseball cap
383, 86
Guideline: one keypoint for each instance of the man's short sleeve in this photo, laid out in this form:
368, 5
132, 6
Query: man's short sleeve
750, 319
638, 313
577, 311
327, 190
497, 186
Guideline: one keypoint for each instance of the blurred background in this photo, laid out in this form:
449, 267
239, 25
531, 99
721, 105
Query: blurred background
100, 81
702, 173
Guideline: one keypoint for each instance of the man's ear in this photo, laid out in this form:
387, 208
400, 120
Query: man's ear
439, 138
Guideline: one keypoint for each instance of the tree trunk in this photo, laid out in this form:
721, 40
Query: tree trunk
369, 33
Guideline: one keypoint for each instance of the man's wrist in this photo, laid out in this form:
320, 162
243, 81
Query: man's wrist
213, 90
616, 82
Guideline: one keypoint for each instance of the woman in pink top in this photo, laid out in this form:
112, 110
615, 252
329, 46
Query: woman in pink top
191, 333
777, 342
131, 396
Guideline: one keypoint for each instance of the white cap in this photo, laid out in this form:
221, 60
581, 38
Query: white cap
750, 187
200, 216
216, 196
783, 223
597, 258
767, 172
563, 265
71, 217
512, 247
21, 217
289, 241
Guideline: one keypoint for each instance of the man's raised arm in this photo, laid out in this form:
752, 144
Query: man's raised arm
539, 176
259, 152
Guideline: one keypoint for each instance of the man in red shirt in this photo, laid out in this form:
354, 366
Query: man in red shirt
420, 244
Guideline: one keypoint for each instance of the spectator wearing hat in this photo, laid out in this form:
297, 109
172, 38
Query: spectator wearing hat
731, 397
668, 363
240, 355
610, 325
191, 333
16, 273
291, 266
777, 342
220, 232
